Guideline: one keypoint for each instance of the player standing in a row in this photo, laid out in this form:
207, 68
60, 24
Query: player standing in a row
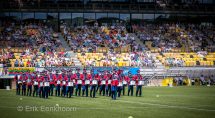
94, 83
35, 81
70, 85
114, 84
18, 84
41, 85
120, 80
85, 82
64, 78
124, 82
131, 83
139, 83
52, 83
29, 84
108, 84
77, 77
102, 84
57, 84
46, 86
23, 78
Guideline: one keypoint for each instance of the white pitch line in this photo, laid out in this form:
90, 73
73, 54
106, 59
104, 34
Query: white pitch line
160, 105
82, 108
182, 95
148, 101
105, 108
169, 106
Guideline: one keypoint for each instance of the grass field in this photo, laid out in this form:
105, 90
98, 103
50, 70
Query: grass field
160, 102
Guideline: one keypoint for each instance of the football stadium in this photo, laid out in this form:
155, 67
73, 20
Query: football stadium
107, 58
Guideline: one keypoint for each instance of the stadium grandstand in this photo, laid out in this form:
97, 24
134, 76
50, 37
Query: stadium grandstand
169, 42
149, 34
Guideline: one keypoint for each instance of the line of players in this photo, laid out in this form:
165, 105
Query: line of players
63, 84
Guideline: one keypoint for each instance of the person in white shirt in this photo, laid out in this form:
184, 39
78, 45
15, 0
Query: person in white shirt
202, 80
27, 51
21, 63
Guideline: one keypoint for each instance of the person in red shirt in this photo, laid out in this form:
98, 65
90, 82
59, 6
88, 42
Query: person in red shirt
99, 81
46, 86
103, 84
64, 79
85, 82
94, 83
29, 63
52, 78
24, 83
108, 85
41, 85
29, 84
58, 83
120, 85
131, 83
18, 84
35, 82
119, 72
114, 84
139, 83
106, 77
124, 82
70, 84
78, 82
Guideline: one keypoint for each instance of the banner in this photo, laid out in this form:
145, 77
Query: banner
16, 70
133, 70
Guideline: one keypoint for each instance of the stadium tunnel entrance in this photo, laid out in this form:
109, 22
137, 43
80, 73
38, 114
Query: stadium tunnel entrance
7, 81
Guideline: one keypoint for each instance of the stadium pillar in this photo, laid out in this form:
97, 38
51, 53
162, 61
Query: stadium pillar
58, 22
130, 27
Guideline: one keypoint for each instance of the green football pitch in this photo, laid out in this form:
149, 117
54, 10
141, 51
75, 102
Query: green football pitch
160, 102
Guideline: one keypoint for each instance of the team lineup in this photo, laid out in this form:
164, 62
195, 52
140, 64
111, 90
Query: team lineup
67, 83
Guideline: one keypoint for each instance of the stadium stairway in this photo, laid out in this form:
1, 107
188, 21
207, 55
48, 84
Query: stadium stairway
137, 39
158, 64
71, 53
64, 43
